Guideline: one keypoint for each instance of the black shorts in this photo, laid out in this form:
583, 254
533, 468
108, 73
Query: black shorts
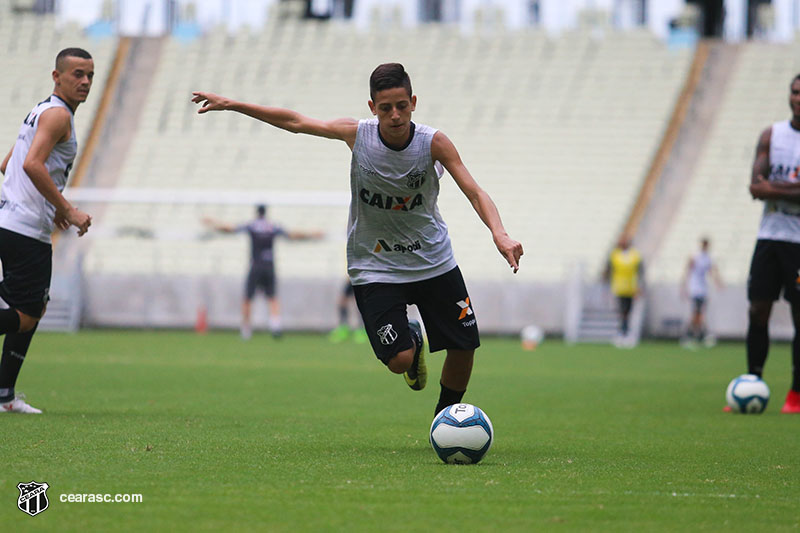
775, 267
27, 267
698, 303
260, 277
625, 304
443, 303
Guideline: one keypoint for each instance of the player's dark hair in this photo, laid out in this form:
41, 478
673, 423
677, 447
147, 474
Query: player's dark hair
71, 52
796, 78
389, 76
261, 210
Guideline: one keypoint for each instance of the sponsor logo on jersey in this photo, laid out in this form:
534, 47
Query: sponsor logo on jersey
415, 178
367, 170
783, 173
384, 246
395, 203
30, 120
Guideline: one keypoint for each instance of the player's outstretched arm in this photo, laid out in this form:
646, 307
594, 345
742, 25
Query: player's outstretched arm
444, 151
54, 127
301, 235
343, 129
217, 225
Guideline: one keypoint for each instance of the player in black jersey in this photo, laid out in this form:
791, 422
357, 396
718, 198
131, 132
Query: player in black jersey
261, 276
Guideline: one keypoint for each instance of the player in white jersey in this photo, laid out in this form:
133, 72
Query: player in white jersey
695, 286
775, 266
31, 205
398, 248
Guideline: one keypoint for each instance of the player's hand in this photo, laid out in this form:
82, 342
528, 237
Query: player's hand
79, 219
760, 188
510, 249
61, 222
210, 101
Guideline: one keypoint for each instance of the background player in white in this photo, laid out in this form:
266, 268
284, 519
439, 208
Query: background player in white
261, 276
398, 248
695, 286
775, 266
31, 205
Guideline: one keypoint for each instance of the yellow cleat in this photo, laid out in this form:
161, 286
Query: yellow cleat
417, 376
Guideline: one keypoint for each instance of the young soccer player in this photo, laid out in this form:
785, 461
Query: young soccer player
31, 204
394, 182
776, 258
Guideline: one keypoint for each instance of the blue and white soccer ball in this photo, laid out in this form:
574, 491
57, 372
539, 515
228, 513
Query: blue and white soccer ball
461, 434
747, 394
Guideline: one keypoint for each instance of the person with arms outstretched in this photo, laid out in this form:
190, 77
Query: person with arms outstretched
261, 276
775, 265
398, 247
31, 206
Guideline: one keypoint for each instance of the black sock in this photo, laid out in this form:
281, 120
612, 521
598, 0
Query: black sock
342, 315
796, 363
624, 326
757, 348
448, 397
15, 347
9, 321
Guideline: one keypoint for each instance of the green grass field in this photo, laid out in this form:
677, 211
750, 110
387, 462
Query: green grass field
302, 435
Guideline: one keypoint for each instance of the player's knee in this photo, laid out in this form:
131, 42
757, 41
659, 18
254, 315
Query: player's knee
759, 312
401, 361
27, 322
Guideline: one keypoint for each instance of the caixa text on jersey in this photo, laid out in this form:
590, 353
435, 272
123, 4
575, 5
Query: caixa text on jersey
395, 203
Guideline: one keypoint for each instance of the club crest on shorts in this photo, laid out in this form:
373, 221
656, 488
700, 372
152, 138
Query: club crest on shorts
387, 334
32, 497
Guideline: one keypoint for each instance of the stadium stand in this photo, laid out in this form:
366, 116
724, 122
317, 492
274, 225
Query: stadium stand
559, 131
29, 44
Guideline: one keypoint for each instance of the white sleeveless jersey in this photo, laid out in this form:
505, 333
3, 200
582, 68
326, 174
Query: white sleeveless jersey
23, 209
781, 219
698, 275
395, 233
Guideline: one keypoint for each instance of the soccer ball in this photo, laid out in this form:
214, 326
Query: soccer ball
747, 394
461, 434
531, 336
